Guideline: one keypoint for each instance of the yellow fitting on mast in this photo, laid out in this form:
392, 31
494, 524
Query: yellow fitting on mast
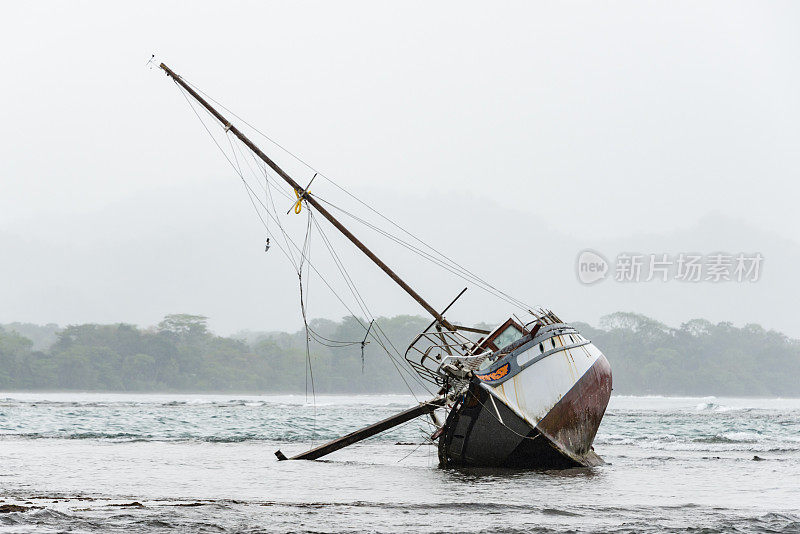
300, 194
298, 206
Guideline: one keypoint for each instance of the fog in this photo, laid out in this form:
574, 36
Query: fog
510, 137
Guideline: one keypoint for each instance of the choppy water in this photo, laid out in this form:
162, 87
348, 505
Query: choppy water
204, 463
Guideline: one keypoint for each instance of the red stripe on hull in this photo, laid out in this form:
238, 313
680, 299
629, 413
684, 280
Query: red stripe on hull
572, 423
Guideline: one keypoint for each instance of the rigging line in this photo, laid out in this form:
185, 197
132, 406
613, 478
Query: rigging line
277, 184
340, 265
306, 254
471, 278
363, 344
309, 263
305, 324
362, 304
446, 258
342, 302
332, 343
233, 151
345, 275
413, 374
265, 136
309, 369
280, 226
264, 223
238, 168
483, 284
235, 168
233, 144
246, 185
397, 362
415, 450
435, 250
380, 342
262, 168
267, 182
340, 345
475, 281
453, 262
274, 218
328, 342
266, 186
366, 311
426, 440
280, 185
334, 340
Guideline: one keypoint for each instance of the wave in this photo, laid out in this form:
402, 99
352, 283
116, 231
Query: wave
305, 438
206, 403
731, 437
729, 441
326, 516
120, 436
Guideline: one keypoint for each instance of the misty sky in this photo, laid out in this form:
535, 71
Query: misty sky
533, 128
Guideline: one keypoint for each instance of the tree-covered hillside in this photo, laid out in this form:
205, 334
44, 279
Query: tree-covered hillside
699, 358
181, 354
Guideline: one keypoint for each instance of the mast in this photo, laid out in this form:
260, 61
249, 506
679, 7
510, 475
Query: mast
308, 198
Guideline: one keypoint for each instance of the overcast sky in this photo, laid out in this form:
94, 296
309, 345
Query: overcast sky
594, 121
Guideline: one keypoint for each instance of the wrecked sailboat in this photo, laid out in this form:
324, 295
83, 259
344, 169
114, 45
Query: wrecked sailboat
527, 395
530, 393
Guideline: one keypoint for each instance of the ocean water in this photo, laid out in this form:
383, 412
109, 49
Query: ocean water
205, 463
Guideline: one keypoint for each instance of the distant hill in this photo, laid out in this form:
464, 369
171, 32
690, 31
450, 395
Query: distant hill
181, 354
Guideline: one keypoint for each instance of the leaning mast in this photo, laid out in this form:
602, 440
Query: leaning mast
305, 195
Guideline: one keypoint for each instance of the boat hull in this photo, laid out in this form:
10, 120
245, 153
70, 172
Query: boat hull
545, 416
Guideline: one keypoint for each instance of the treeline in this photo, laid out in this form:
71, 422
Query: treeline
181, 354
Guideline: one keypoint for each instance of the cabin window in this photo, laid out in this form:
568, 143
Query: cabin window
502, 336
507, 336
